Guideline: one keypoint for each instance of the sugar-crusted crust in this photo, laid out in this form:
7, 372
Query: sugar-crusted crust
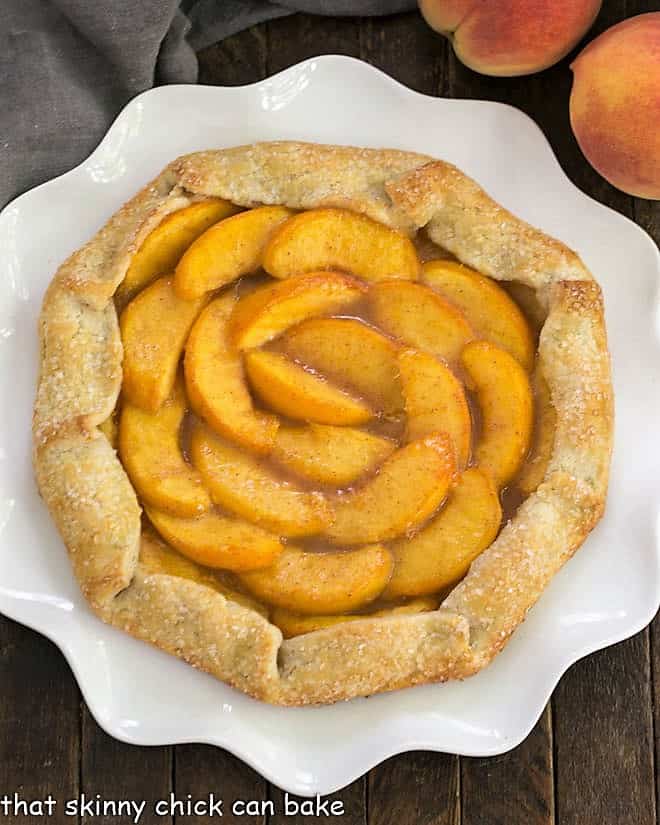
95, 507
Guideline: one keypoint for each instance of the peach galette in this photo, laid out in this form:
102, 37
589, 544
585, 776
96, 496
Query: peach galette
322, 421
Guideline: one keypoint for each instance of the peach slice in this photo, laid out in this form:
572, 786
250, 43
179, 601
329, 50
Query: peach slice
440, 555
418, 316
242, 484
350, 354
491, 313
163, 247
156, 557
217, 541
291, 390
228, 250
543, 441
313, 583
407, 489
154, 329
505, 400
296, 624
271, 309
329, 455
340, 239
435, 402
151, 454
216, 385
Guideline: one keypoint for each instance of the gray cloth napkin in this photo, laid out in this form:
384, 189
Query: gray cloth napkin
68, 66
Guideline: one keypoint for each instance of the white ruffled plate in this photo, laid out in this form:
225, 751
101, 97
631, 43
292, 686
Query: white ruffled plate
609, 591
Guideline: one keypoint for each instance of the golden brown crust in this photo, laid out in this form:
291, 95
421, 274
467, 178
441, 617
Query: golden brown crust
94, 505
462, 218
95, 509
371, 656
302, 176
198, 624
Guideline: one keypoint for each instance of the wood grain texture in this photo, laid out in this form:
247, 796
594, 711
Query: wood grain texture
120, 772
416, 788
515, 788
39, 722
200, 769
296, 38
655, 678
408, 50
236, 61
353, 799
604, 738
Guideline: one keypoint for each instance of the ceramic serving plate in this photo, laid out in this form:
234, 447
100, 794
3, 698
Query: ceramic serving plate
607, 592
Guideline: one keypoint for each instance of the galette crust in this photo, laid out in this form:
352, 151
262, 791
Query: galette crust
95, 507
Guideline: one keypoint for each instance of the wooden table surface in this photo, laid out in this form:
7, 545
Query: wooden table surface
591, 758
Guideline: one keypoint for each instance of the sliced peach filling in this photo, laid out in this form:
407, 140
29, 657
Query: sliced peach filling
228, 250
330, 455
334, 443
419, 317
343, 240
216, 383
272, 309
293, 391
409, 487
150, 451
162, 249
350, 354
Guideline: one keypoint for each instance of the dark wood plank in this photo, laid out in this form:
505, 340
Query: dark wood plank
516, 788
407, 49
647, 215
118, 771
39, 722
201, 769
353, 810
604, 738
655, 647
296, 38
235, 61
416, 788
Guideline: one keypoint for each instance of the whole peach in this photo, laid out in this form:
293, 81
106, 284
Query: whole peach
511, 37
615, 105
